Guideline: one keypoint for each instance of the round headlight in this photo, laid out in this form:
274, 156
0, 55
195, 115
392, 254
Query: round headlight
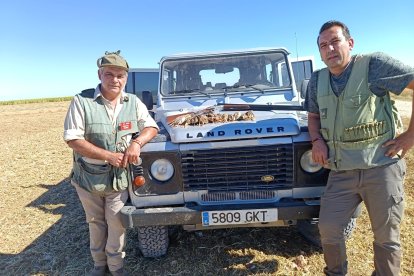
307, 164
162, 169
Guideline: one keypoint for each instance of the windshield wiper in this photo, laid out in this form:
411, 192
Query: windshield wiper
189, 91
260, 107
243, 85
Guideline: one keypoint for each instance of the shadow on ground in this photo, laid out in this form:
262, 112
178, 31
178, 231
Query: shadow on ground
63, 248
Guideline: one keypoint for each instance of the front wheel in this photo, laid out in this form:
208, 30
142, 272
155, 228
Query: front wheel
310, 231
153, 241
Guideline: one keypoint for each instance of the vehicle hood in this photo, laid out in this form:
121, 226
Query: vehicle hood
263, 124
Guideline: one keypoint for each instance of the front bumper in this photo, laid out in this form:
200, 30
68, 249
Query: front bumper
133, 217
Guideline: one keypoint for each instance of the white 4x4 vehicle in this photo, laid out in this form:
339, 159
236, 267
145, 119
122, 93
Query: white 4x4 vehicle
233, 148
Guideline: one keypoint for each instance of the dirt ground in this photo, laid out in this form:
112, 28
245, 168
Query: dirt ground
43, 229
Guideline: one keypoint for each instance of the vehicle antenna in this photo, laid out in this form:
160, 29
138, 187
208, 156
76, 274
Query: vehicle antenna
296, 42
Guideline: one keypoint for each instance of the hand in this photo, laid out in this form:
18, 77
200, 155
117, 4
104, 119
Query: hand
115, 159
399, 145
131, 155
320, 152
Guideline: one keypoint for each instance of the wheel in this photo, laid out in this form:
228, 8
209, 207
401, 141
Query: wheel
153, 241
310, 231
350, 228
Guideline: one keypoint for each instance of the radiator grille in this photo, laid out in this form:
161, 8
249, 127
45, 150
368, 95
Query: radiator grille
238, 169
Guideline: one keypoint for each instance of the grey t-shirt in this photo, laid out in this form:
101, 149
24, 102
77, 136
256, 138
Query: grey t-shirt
385, 74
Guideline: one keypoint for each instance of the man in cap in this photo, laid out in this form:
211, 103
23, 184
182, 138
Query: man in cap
100, 126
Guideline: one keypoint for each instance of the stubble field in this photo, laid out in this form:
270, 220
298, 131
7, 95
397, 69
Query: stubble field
43, 229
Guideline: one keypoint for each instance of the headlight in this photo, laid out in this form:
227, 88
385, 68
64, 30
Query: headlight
307, 163
162, 169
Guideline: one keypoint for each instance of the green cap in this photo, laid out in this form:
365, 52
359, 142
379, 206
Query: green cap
113, 59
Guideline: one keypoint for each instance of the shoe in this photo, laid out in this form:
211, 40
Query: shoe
119, 272
98, 271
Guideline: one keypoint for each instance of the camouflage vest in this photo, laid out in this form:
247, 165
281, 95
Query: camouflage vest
357, 123
100, 132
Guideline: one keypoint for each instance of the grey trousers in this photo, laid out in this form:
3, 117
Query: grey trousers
106, 233
382, 191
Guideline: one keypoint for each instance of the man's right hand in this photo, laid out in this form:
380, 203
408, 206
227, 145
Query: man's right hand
320, 152
319, 146
88, 149
115, 159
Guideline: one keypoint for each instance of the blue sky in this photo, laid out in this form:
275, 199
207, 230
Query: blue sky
49, 48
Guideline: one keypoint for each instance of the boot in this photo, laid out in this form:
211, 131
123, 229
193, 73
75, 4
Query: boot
119, 272
98, 271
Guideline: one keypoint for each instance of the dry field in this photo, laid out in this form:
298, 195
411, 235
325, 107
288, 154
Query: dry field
43, 229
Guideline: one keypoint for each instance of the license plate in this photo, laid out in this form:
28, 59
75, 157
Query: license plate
238, 217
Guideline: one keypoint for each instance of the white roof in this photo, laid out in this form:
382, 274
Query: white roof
226, 52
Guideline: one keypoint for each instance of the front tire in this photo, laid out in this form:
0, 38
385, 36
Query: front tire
310, 231
153, 241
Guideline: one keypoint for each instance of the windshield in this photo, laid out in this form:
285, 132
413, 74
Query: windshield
225, 74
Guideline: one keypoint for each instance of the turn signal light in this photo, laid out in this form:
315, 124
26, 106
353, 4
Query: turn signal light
139, 181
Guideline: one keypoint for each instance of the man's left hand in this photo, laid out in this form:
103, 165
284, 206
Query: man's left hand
399, 145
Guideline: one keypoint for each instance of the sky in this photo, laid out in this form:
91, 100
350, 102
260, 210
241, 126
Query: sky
49, 48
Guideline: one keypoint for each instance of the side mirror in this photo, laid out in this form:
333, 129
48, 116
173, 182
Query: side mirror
148, 101
303, 88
